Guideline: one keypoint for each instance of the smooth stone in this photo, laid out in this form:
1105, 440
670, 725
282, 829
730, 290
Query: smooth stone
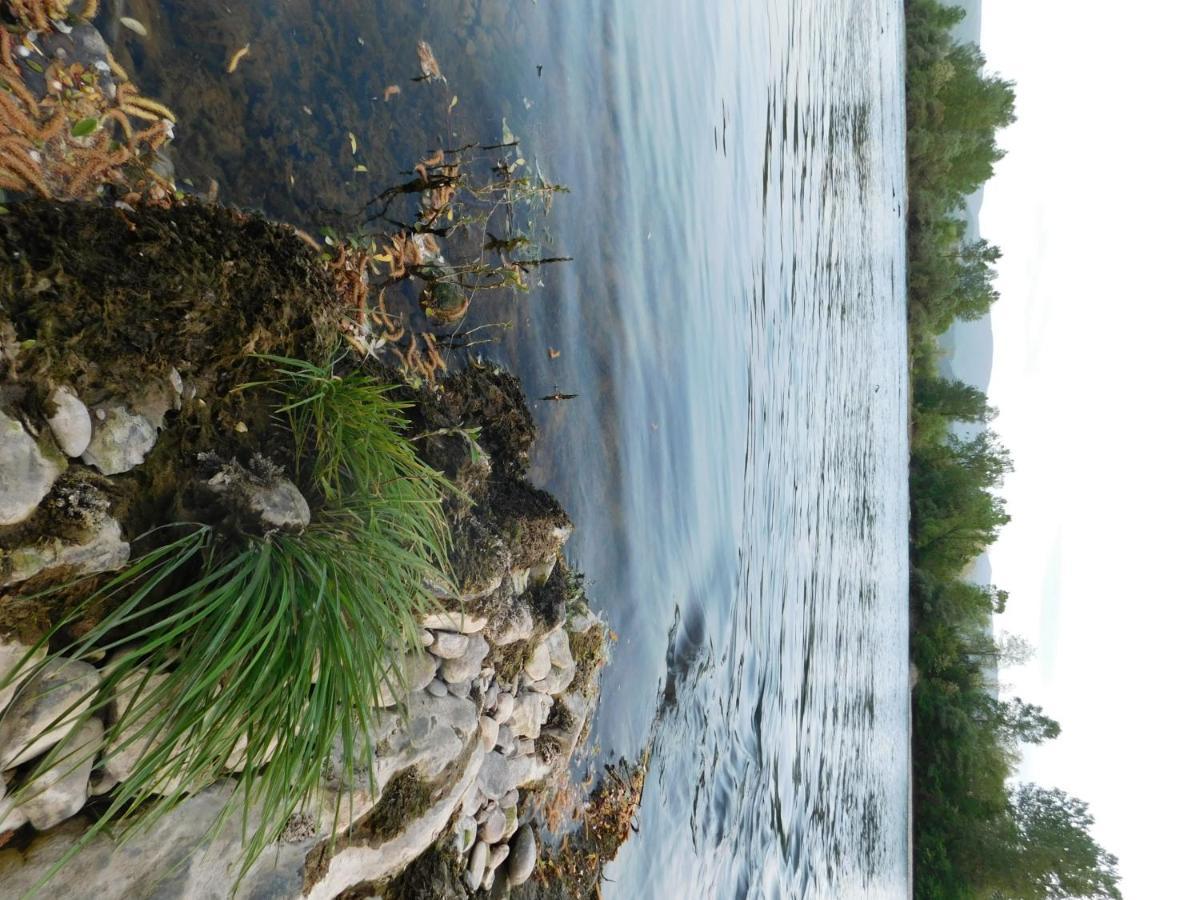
469, 664
426, 638
122, 759
538, 666
413, 672
523, 857
479, 860
120, 441
11, 817
526, 746
558, 644
498, 775
493, 827
490, 695
71, 424
461, 622
12, 651
465, 830
510, 800
102, 781
25, 729
60, 791
511, 821
489, 877
530, 712
489, 731
504, 738
461, 689
504, 707
437, 688
26, 473
471, 802
449, 644
499, 855
558, 680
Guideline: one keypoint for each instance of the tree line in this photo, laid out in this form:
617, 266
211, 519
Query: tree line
977, 832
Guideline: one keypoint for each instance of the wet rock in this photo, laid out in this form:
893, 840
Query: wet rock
559, 647
413, 672
27, 728
461, 622
12, 651
479, 860
523, 857
493, 827
538, 665
70, 422
62, 789
449, 644
27, 472
469, 664
120, 440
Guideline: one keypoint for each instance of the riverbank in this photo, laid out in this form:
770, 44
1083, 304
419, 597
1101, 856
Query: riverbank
142, 336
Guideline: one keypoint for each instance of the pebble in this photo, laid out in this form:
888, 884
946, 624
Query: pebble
489, 731
468, 665
538, 666
71, 423
437, 687
120, 441
460, 689
465, 830
499, 855
449, 644
492, 827
504, 707
510, 800
479, 860
490, 696
523, 858
559, 647
454, 621
426, 638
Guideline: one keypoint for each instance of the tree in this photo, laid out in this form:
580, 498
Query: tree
1018, 722
1052, 854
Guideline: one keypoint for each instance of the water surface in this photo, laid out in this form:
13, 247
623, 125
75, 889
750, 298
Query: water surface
733, 324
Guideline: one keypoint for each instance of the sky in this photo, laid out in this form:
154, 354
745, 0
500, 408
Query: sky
1097, 349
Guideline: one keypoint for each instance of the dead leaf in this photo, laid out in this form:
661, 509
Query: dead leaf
390, 91
236, 58
353, 142
552, 353
429, 64
453, 103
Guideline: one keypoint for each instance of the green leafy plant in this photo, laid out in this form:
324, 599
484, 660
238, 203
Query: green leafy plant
267, 651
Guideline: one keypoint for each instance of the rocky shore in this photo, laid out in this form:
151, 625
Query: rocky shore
125, 337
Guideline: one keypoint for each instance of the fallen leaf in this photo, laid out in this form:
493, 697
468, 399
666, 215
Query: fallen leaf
360, 168
353, 142
429, 64
134, 25
506, 135
391, 91
453, 103
552, 353
236, 58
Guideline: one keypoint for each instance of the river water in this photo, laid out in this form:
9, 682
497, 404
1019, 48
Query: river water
733, 324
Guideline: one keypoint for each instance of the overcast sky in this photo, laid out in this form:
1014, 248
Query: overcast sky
1096, 377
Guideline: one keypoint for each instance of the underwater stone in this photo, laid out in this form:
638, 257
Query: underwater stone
45, 697
120, 440
523, 858
26, 473
60, 791
71, 423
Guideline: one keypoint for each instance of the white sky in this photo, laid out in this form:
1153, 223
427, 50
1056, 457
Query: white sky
1097, 345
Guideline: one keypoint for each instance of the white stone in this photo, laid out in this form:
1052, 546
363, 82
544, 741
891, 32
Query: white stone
26, 472
61, 790
504, 707
499, 855
461, 622
500, 774
62, 688
120, 441
489, 730
479, 861
412, 672
558, 680
538, 665
493, 827
559, 646
465, 830
71, 423
530, 712
426, 638
469, 664
449, 644
518, 626
523, 857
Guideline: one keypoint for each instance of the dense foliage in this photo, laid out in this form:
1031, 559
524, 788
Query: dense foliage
976, 833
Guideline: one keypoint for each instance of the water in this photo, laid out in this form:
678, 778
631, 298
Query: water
734, 325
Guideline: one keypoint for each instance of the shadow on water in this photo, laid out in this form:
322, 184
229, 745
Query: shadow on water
733, 325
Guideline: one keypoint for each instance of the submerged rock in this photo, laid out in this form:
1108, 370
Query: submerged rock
26, 472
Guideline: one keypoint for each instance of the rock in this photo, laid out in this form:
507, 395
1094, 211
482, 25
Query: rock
504, 739
98, 549
120, 440
12, 651
511, 821
472, 800
469, 664
583, 621
520, 581
490, 694
489, 877
428, 734
70, 423
479, 860
523, 857
102, 781
510, 800
558, 680
461, 622
530, 712
449, 644
498, 775
517, 626
493, 827
499, 855
11, 817
62, 789
412, 672
504, 707
465, 830
26, 472
128, 747
525, 747
437, 688
559, 647
426, 638
538, 666
460, 689
26, 728
259, 494
489, 730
